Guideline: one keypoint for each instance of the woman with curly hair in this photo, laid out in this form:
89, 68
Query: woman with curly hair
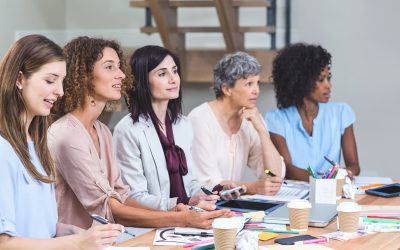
153, 142
89, 178
230, 134
306, 126
31, 76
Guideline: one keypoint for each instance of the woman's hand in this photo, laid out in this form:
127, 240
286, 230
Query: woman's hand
253, 116
99, 237
267, 185
204, 201
204, 219
235, 194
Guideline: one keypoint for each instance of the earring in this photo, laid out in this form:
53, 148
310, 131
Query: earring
93, 102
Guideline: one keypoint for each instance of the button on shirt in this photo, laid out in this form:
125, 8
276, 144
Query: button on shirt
27, 206
328, 128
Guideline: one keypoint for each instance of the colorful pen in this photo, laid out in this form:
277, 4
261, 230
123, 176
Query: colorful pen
383, 217
312, 241
198, 243
268, 172
103, 220
311, 171
370, 186
204, 247
275, 231
381, 220
330, 161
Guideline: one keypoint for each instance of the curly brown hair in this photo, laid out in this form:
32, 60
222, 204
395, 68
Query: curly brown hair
295, 71
81, 55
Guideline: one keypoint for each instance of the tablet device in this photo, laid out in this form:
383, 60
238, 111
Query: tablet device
390, 190
249, 205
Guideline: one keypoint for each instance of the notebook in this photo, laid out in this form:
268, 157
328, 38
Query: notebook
320, 215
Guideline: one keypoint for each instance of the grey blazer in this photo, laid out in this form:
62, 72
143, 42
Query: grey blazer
142, 161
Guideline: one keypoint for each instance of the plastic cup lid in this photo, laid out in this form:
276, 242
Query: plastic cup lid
348, 206
299, 204
225, 223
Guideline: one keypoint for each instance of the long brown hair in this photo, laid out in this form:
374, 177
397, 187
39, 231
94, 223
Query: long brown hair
27, 55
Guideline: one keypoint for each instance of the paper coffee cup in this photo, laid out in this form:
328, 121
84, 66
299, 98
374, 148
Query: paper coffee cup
225, 230
299, 214
348, 214
339, 188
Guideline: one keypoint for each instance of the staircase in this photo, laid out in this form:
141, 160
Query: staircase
197, 65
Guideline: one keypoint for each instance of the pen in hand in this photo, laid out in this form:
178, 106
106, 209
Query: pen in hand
103, 220
268, 172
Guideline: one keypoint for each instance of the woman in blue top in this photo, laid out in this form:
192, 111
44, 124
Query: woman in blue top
306, 126
31, 76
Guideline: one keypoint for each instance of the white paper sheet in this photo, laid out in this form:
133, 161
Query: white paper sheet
285, 194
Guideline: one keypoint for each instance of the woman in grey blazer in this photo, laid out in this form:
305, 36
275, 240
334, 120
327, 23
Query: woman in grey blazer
153, 142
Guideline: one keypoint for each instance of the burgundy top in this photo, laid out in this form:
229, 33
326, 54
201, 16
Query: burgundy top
176, 162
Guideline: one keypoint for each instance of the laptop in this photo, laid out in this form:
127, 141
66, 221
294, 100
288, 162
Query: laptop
320, 215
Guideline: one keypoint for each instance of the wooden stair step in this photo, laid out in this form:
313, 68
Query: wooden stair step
264, 29
202, 3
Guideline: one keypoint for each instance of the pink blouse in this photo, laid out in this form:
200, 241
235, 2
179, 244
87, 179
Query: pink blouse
85, 180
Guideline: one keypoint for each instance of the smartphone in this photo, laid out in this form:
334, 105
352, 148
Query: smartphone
292, 240
230, 191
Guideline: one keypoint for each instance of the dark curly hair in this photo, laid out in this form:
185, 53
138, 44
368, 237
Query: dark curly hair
81, 55
144, 60
295, 71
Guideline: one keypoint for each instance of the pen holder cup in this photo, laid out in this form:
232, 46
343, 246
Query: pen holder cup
323, 191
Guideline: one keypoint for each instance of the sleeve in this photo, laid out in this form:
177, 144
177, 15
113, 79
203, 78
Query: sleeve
194, 186
203, 152
348, 117
81, 172
8, 181
274, 122
129, 159
255, 159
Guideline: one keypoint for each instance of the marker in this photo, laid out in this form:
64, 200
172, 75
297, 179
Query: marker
197, 243
369, 186
197, 209
103, 220
330, 161
206, 191
383, 217
268, 172
205, 247
311, 171
381, 220
319, 240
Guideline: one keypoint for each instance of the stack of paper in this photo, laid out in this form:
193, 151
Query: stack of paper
285, 194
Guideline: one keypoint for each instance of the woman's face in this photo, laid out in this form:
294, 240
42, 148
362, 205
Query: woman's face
42, 88
165, 80
322, 90
245, 92
108, 76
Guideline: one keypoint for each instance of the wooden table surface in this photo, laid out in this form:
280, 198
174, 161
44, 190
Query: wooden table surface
373, 242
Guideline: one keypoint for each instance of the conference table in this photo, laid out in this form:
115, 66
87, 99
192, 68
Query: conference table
373, 241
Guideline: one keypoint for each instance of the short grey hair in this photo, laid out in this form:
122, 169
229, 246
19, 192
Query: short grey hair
233, 67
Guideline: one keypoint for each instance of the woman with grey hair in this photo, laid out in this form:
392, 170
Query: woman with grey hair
230, 134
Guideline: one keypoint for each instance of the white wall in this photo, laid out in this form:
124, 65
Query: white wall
362, 36
364, 39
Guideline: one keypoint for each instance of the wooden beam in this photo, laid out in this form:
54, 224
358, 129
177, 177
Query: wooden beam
228, 16
200, 64
244, 29
202, 3
166, 21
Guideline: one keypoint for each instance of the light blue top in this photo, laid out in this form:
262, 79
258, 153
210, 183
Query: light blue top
27, 206
329, 126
